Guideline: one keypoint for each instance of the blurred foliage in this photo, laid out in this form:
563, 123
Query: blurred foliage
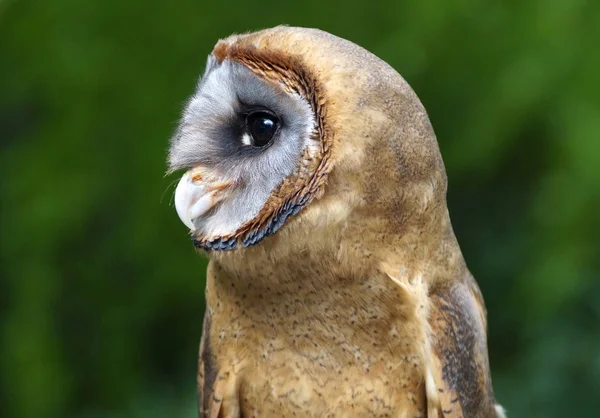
101, 293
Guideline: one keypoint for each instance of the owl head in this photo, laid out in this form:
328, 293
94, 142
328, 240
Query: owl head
296, 130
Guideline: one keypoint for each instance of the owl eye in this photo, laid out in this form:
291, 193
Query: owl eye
261, 127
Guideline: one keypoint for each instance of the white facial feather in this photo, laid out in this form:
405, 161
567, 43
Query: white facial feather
212, 134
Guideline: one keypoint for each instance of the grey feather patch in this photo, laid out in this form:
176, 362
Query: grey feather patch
212, 134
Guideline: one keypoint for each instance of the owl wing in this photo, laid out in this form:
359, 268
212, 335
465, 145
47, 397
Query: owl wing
460, 367
209, 397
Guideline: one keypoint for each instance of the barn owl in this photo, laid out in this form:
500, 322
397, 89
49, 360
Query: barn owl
336, 286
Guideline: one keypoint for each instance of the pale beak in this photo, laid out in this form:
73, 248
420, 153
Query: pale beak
196, 194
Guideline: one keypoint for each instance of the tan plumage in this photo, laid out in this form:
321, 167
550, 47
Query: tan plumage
361, 305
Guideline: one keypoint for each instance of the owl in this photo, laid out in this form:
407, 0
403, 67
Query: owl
336, 287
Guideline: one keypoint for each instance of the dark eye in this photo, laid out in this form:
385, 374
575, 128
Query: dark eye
261, 127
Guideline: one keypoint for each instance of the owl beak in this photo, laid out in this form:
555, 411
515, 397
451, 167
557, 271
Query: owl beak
196, 194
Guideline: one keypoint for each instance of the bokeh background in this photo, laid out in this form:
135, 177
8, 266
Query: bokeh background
101, 292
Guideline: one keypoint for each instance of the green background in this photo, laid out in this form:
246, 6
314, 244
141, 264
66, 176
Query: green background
101, 293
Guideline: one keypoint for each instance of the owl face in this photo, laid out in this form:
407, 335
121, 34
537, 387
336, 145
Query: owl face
241, 137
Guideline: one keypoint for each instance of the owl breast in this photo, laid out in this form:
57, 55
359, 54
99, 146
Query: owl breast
303, 354
295, 388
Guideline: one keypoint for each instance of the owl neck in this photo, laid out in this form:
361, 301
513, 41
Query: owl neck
347, 287
355, 260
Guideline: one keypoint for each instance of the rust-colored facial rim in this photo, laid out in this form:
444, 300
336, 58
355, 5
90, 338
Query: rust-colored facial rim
296, 191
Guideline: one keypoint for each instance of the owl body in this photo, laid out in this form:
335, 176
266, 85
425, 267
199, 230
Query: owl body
336, 286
